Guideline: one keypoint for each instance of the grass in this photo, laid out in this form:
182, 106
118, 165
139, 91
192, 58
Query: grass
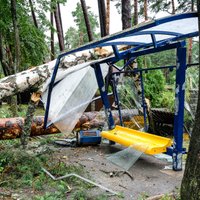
20, 170
6, 113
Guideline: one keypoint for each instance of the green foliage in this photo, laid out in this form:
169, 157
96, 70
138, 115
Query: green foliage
195, 52
18, 168
76, 36
32, 39
5, 111
154, 83
79, 195
127, 94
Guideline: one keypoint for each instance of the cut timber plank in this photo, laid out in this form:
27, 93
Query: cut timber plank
141, 141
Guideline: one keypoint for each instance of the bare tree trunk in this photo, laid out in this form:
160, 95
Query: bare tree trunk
33, 13
145, 10
192, 5
16, 32
13, 105
135, 17
26, 130
52, 37
102, 17
189, 50
60, 18
107, 17
87, 22
4, 64
173, 8
126, 14
191, 179
59, 29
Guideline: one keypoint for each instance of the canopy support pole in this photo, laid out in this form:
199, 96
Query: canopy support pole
104, 95
179, 108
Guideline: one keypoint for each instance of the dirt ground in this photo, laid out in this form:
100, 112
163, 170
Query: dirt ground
146, 178
149, 176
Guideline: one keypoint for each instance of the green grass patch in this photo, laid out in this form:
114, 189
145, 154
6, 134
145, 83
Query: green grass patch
5, 111
19, 170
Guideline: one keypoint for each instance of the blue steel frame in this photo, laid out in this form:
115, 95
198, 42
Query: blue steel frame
104, 95
177, 150
136, 31
140, 49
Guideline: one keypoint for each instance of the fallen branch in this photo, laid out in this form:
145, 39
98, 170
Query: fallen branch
160, 196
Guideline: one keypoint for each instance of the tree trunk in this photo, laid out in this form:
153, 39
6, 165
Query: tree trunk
52, 37
145, 10
4, 64
135, 17
59, 29
126, 14
11, 128
190, 187
33, 13
189, 50
26, 130
107, 17
173, 8
16, 32
102, 17
36, 76
192, 5
87, 22
60, 18
13, 105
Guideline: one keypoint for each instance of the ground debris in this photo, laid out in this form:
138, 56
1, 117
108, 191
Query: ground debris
80, 177
117, 173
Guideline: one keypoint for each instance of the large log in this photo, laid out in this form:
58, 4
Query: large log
11, 128
38, 77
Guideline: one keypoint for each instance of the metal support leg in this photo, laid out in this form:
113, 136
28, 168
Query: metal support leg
114, 88
104, 96
179, 109
143, 103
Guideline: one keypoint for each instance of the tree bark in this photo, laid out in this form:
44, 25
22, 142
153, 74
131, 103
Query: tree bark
26, 130
59, 29
145, 10
35, 77
11, 128
60, 18
87, 22
4, 64
16, 32
190, 187
102, 17
135, 17
189, 50
126, 14
173, 8
33, 13
52, 37
107, 17
13, 105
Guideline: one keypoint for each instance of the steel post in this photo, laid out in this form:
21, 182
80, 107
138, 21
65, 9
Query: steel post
104, 95
179, 108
